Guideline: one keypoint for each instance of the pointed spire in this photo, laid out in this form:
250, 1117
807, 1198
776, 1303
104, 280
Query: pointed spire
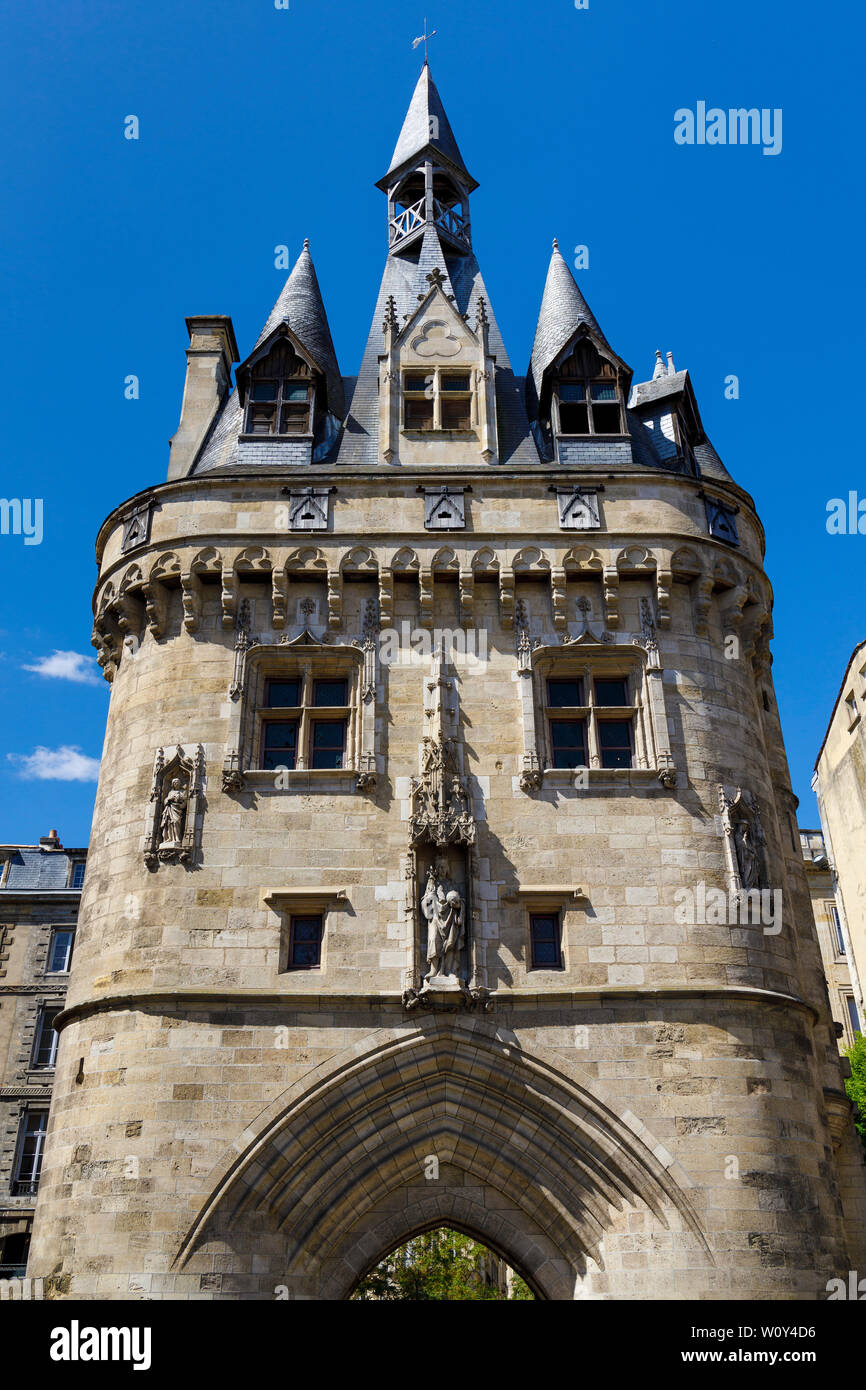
426, 127
301, 307
563, 310
659, 369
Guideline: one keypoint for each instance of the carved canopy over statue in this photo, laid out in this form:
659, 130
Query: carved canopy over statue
440, 809
445, 913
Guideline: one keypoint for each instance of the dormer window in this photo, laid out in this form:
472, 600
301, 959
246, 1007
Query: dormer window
281, 396
586, 395
437, 400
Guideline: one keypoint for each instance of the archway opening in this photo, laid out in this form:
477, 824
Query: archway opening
442, 1264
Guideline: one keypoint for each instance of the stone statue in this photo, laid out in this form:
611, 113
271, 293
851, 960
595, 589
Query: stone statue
445, 912
748, 860
173, 814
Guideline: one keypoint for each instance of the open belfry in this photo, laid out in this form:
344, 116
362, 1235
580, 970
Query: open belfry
444, 866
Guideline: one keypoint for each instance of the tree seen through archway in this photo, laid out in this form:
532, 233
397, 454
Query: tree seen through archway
442, 1264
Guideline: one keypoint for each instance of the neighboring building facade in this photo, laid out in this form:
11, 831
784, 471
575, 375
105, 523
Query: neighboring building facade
831, 938
40, 889
840, 786
374, 942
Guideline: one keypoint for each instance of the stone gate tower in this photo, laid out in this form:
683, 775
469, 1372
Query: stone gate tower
444, 864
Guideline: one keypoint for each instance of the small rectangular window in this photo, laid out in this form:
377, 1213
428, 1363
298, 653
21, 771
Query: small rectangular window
573, 419
853, 1017
280, 744
31, 1145
611, 692
329, 693
419, 414
606, 419
452, 381
45, 1045
264, 391
545, 935
456, 414
261, 419
295, 392
837, 929
305, 943
295, 419
603, 391
78, 874
568, 742
614, 739
328, 743
564, 694
60, 950
283, 694
572, 391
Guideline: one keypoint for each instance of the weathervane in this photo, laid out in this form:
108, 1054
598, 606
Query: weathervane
422, 38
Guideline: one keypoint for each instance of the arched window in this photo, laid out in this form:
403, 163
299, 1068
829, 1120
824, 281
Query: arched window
281, 394
586, 395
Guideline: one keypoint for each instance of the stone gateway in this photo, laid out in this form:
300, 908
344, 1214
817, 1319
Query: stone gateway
391, 910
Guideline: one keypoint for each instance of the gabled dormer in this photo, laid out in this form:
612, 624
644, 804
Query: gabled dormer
436, 384
290, 392
577, 386
668, 409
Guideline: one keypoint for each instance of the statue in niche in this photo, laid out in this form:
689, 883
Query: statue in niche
173, 815
445, 913
748, 859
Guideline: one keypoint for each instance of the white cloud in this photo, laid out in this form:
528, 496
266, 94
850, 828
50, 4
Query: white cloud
67, 666
66, 764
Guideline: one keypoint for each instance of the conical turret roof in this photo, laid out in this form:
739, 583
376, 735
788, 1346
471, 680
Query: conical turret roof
563, 310
301, 307
426, 127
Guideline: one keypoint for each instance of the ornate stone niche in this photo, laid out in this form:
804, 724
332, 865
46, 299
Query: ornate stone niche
176, 809
745, 843
442, 862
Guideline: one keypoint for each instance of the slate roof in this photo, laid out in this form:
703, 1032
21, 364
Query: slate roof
32, 868
426, 127
563, 310
405, 278
656, 390
300, 305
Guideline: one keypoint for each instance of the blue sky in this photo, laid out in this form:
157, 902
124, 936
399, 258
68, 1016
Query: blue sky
261, 126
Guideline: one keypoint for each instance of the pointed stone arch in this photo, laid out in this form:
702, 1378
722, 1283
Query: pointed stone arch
331, 1175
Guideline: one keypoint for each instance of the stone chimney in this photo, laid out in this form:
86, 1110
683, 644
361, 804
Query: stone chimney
209, 357
51, 841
